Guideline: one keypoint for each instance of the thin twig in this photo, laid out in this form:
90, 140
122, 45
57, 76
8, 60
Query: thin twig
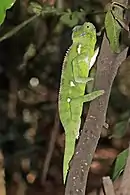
17, 28
50, 148
108, 186
107, 66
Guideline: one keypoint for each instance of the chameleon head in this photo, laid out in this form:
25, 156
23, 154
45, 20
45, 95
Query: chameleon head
84, 32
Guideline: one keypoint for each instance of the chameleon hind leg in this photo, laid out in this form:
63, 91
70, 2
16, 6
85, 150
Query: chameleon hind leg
70, 143
82, 99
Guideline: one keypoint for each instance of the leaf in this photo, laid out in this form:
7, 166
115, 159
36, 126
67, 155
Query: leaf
72, 18
118, 13
120, 164
119, 129
69, 19
113, 30
35, 8
4, 5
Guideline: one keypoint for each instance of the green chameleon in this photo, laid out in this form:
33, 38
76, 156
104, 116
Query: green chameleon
76, 66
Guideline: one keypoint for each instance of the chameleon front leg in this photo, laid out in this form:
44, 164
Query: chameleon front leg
88, 97
80, 69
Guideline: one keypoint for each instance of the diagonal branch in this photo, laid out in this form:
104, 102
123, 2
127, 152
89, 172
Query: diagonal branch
50, 149
107, 66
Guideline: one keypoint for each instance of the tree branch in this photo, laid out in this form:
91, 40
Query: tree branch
107, 66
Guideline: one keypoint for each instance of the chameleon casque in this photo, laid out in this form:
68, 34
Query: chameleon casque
76, 66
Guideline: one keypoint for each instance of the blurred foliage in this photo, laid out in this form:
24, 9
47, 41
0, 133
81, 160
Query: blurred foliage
120, 164
113, 30
4, 5
121, 127
35, 52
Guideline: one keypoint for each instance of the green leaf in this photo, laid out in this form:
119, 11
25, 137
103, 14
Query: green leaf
4, 5
118, 11
119, 129
120, 164
113, 30
35, 8
71, 19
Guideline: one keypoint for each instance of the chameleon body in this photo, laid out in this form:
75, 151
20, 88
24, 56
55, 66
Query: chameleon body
75, 72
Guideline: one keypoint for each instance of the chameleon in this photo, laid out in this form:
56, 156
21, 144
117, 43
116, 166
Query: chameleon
77, 63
